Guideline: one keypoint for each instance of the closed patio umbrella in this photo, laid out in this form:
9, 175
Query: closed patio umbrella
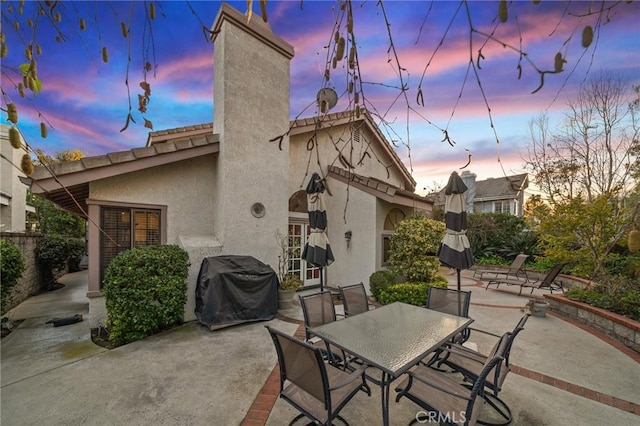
317, 251
454, 250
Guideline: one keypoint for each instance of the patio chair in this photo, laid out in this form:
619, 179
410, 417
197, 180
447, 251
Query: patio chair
469, 363
514, 271
454, 402
549, 282
450, 301
354, 299
318, 390
318, 309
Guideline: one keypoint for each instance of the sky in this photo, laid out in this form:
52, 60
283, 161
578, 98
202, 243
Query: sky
85, 101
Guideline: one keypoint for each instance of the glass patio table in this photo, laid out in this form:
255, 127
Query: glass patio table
392, 338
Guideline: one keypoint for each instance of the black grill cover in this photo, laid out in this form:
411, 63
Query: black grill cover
235, 289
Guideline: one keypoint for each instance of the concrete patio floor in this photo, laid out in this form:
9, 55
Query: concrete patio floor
562, 374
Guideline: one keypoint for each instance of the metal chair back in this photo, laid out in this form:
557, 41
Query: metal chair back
317, 309
354, 299
449, 301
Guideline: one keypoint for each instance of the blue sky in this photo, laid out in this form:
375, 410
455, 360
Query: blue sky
85, 103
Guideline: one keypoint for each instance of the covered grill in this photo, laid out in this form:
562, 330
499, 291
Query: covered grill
235, 289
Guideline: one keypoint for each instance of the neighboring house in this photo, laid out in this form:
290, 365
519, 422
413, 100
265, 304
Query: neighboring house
223, 188
13, 191
495, 195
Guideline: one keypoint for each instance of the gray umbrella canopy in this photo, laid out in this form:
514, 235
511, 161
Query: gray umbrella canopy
454, 249
317, 251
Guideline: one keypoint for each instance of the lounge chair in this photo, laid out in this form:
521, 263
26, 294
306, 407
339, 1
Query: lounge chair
549, 282
354, 299
515, 271
318, 390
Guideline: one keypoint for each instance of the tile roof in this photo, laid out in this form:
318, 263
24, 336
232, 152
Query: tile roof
69, 185
379, 188
508, 186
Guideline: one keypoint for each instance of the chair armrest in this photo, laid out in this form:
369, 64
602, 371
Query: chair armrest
484, 332
350, 378
440, 388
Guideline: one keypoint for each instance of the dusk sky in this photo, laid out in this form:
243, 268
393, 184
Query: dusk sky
85, 103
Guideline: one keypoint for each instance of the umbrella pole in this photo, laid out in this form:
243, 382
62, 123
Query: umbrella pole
459, 300
321, 268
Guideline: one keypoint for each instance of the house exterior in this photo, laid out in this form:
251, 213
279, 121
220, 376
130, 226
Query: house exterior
224, 188
495, 195
13, 189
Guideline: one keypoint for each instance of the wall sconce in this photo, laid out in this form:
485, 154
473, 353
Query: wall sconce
347, 236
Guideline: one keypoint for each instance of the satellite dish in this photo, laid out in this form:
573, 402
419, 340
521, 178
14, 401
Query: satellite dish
327, 99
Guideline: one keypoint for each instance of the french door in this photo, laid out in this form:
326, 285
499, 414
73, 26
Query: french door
298, 235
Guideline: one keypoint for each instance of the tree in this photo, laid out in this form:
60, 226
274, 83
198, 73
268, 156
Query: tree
414, 245
584, 233
48, 218
594, 151
588, 170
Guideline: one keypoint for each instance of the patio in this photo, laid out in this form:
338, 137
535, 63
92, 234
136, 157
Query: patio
561, 375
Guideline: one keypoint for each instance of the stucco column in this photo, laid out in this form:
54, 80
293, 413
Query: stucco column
251, 106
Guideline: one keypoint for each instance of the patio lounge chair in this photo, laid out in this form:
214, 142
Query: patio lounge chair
469, 363
436, 391
318, 309
354, 299
318, 390
549, 282
515, 271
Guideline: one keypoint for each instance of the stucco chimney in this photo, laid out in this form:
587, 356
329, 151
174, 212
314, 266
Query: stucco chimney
469, 179
251, 106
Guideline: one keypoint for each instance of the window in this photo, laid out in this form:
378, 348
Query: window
394, 217
126, 228
502, 207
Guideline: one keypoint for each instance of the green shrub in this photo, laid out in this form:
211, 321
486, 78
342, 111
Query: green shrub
381, 279
413, 293
75, 251
51, 253
623, 299
145, 292
413, 248
500, 235
11, 268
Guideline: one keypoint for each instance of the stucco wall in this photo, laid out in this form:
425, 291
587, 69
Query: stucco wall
327, 150
355, 261
251, 101
186, 189
13, 215
30, 283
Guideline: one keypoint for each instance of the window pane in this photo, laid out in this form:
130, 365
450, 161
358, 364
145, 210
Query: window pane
116, 238
147, 228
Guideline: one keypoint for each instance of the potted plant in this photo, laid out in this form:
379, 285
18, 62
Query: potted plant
287, 283
287, 289
537, 305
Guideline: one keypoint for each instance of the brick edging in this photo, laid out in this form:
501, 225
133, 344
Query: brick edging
591, 394
261, 407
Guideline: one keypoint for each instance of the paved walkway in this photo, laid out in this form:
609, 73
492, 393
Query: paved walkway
564, 373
